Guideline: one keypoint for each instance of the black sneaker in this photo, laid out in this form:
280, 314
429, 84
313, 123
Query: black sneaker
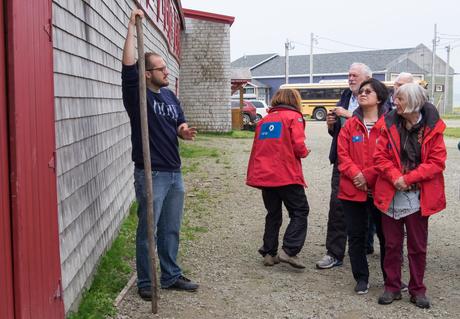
362, 287
183, 283
388, 297
145, 293
421, 301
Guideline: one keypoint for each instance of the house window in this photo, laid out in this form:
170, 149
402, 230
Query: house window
249, 90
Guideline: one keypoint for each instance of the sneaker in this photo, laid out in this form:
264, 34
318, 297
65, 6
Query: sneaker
145, 293
362, 287
183, 283
388, 297
421, 301
328, 262
404, 287
291, 260
270, 260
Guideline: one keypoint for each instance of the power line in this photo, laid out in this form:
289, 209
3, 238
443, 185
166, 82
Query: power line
348, 44
450, 35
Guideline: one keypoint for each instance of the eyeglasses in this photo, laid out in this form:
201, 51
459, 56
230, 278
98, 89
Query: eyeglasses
365, 91
161, 69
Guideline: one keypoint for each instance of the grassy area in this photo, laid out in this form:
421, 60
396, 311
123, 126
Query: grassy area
190, 150
112, 273
115, 269
452, 132
232, 134
451, 116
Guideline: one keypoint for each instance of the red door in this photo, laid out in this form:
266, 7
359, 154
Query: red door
31, 141
6, 262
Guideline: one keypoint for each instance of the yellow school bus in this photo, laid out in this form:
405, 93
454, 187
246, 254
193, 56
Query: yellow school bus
319, 98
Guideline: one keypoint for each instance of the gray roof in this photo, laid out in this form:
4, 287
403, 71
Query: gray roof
249, 61
258, 84
406, 65
240, 74
327, 63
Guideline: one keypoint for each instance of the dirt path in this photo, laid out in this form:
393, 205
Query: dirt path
235, 284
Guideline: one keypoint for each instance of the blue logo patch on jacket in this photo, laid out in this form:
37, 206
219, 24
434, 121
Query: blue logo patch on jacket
357, 138
270, 130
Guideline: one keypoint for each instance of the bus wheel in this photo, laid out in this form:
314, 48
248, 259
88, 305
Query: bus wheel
320, 114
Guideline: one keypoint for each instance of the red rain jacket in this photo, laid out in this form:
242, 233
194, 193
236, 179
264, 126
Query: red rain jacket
356, 154
428, 175
279, 144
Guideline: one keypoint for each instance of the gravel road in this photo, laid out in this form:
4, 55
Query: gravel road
235, 284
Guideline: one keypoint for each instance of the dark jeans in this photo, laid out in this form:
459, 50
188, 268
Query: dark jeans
295, 201
370, 234
336, 237
356, 215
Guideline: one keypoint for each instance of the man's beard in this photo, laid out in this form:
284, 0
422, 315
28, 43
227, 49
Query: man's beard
159, 83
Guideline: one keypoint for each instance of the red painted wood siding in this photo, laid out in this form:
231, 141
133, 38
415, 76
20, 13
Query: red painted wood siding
6, 262
36, 261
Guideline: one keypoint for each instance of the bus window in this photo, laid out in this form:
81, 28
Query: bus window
319, 98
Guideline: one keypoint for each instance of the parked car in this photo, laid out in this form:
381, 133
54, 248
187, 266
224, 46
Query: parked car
261, 108
249, 111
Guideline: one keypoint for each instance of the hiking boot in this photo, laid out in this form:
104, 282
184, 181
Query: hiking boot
328, 262
270, 260
388, 297
145, 293
421, 301
362, 287
291, 260
184, 284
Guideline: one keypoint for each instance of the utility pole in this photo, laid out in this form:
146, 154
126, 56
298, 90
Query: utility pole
433, 63
287, 46
446, 81
312, 39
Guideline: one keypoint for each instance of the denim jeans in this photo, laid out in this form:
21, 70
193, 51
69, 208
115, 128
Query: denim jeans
168, 202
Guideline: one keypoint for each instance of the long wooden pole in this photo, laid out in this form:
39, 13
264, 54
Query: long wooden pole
147, 163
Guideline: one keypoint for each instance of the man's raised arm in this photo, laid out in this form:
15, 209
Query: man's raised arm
129, 49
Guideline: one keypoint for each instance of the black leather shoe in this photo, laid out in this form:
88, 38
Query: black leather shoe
145, 293
183, 283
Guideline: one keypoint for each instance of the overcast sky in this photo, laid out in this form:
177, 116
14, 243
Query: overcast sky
262, 26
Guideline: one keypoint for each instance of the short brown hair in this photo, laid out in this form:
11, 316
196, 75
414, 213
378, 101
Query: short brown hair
147, 56
286, 97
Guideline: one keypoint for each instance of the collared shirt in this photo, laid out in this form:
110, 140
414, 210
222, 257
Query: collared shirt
353, 104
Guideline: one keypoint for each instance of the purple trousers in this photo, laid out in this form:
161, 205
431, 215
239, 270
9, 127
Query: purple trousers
417, 237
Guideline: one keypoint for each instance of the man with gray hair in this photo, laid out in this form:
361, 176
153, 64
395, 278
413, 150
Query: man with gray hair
401, 79
336, 237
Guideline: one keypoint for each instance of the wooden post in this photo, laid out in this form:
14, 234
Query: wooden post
147, 162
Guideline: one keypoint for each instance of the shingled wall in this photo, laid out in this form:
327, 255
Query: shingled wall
205, 82
93, 146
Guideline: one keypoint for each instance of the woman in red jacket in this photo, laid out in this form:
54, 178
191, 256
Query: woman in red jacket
356, 144
275, 167
410, 157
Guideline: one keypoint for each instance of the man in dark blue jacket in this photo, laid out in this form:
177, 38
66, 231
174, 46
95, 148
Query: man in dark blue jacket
166, 122
336, 236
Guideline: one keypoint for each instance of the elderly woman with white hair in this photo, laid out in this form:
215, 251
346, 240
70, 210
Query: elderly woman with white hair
410, 157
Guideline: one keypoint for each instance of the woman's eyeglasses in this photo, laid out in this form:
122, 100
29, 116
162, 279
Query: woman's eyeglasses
365, 91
